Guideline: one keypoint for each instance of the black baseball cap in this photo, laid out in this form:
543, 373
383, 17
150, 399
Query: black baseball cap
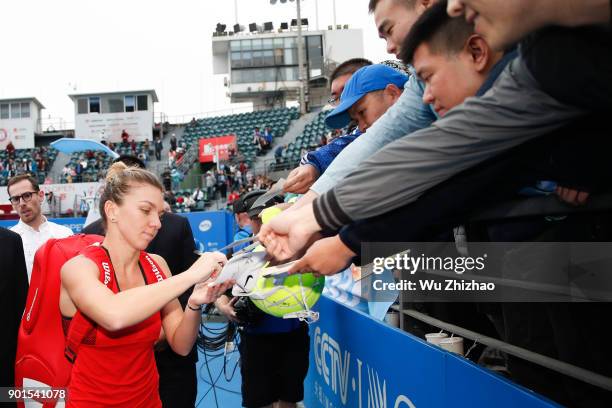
254, 211
246, 200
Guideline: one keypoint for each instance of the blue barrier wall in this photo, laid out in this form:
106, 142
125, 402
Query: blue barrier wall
357, 361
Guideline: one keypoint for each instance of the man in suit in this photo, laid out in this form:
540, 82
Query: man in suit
13, 293
174, 242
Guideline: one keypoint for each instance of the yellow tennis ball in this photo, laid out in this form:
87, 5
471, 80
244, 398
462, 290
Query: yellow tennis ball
279, 296
288, 294
269, 213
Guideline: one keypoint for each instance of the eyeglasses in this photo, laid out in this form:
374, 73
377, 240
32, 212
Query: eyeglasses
333, 101
27, 196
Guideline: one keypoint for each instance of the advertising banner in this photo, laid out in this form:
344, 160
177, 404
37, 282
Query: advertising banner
216, 145
64, 195
109, 126
210, 229
18, 131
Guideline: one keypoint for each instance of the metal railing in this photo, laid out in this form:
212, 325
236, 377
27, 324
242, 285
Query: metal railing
516, 209
533, 357
55, 124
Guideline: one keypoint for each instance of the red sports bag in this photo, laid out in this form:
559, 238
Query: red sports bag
41, 358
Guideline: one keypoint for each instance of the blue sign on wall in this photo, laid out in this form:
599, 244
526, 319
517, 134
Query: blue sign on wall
357, 361
211, 229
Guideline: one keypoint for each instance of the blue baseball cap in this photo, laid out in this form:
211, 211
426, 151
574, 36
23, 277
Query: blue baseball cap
367, 79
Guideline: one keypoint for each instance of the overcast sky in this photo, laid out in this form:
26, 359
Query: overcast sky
52, 48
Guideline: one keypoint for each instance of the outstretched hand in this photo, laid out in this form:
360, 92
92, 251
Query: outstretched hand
326, 256
301, 179
289, 233
572, 196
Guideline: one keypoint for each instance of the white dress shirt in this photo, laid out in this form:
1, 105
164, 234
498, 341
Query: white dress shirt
32, 239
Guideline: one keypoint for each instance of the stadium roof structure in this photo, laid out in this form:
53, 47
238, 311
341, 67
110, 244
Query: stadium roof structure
30, 99
143, 91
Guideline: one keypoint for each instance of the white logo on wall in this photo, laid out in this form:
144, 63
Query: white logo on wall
205, 225
334, 365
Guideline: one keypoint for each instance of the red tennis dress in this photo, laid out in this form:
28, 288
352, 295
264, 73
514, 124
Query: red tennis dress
117, 369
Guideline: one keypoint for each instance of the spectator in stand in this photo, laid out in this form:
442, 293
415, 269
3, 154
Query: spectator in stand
190, 202
177, 177
210, 184
169, 196
231, 175
198, 194
232, 197
173, 144
124, 138
33, 166
143, 156
133, 146
147, 147
26, 198
171, 157
180, 152
278, 153
10, 167
268, 135
222, 184
167, 179
159, 146
257, 138
243, 167
10, 149
78, 169
237, 179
